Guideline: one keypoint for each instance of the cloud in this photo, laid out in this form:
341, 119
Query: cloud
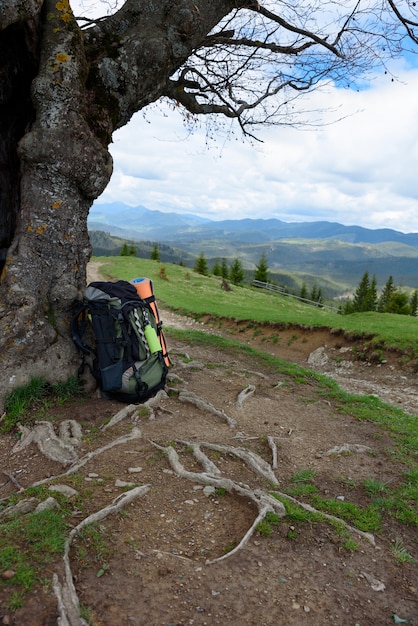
359, 170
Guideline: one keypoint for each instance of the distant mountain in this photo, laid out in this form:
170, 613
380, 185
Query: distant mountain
140, 223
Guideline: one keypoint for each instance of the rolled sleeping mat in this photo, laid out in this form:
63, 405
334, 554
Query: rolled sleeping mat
145, 291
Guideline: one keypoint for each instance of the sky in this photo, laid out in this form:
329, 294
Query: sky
361, 170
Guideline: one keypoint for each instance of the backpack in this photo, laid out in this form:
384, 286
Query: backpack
130, 359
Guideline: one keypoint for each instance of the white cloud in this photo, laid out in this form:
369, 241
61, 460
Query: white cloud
360, 170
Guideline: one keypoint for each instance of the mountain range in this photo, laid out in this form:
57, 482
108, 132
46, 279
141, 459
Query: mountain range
139, 224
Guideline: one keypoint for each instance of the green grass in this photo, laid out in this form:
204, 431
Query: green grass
37, 394
27, 544
191, 293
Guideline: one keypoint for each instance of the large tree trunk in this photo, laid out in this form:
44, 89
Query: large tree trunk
63, 167
55, 130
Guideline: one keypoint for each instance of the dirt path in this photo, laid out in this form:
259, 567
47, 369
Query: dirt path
167, 558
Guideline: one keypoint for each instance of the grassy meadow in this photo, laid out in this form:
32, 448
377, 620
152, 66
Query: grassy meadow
183, 290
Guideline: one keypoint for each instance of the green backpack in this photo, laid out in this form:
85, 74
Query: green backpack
130, 359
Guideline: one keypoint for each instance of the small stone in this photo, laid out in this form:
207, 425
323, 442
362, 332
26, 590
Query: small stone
306, 608
93, 475
295, 605
8, 574
123, 483
49, 504
21, 508
64, 489
134, 470
191, 502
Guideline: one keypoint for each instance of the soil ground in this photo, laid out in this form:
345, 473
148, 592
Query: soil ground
166, 557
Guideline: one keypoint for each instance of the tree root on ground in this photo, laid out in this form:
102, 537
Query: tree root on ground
273, 447
134, 434
68, 602
55, 447
245, 394
265, 502
204, 405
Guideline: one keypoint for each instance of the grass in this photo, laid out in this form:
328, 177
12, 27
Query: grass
25, 404
27, 544
400, 552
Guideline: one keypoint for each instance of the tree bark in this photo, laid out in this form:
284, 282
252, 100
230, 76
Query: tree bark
63, 167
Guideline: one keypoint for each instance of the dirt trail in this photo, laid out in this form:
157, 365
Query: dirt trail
173, 556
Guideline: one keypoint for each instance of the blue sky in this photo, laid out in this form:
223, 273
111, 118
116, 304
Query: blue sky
360, 170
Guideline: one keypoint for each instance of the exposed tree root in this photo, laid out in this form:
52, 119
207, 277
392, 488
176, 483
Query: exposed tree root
251, 460
273, 448
55, 447
68, 602
203, 405
332, 518
127, 411
134, 434
265, 502
245, 394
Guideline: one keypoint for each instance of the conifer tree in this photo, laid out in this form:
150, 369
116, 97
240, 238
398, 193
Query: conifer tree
413, 303
224, 269
237, 274
155, 253
365, 295
201, 265
398, 303
387, 292
262, 270
216, 269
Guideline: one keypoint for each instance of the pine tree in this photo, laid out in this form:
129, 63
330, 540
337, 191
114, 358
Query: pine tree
387, 292
131, 250
224, 269
201, 265
319, 296
398, 303
262, 270
236, 274
413, 303
155, 254
304, 292
362, 294
372, 295
216, 269
124, 250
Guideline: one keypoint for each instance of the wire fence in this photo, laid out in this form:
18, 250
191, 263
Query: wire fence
283, 292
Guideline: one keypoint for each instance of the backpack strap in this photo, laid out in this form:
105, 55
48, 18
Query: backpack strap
78, 327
